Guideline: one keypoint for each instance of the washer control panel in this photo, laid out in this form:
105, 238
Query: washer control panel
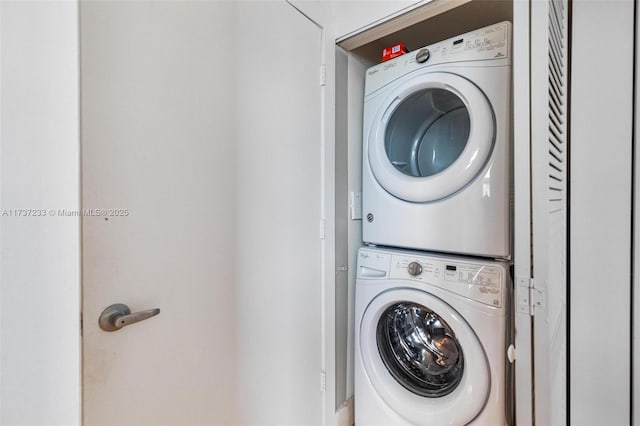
414, 268
481, 282
373, 264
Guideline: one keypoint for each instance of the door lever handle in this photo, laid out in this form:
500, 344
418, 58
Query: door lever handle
119, 315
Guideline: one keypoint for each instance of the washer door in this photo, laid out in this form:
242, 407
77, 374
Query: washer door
431, 137
423, 358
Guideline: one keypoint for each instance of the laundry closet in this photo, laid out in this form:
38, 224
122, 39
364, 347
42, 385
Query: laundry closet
227, 137
397, 215
549, 378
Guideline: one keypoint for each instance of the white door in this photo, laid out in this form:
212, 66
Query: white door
540, 123
549, 213
157, 148
164, 139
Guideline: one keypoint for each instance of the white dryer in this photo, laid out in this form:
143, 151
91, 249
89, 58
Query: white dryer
437, 138
430, 340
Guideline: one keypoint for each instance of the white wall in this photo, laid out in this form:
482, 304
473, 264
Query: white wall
600, 211
278, 279
355, 78
39, 299
343, 272
352, 17
349, 95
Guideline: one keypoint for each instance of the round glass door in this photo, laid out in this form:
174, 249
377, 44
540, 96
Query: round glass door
420, 350
422, 358
431, 137
427, 132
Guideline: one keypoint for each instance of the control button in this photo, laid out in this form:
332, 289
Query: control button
422, 55
414, 268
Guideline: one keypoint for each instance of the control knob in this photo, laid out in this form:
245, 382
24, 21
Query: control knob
422, 55
414, 269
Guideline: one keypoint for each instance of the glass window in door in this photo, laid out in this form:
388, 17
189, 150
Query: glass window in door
420, 350
427, 132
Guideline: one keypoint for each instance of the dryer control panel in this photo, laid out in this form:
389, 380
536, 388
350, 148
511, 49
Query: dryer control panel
481, 281
492, 43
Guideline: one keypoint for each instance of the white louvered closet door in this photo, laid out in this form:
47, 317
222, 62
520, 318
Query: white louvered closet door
549, 93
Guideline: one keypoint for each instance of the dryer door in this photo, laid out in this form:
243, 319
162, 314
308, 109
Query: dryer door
423, 358
432, 136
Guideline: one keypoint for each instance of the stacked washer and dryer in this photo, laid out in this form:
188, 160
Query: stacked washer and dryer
433, 288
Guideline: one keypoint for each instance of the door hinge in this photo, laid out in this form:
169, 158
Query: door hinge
323, 381
536, 299
323, 75
323, 228
81, 325
529, 298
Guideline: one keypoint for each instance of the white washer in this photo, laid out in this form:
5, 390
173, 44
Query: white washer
436, 146
431, 339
